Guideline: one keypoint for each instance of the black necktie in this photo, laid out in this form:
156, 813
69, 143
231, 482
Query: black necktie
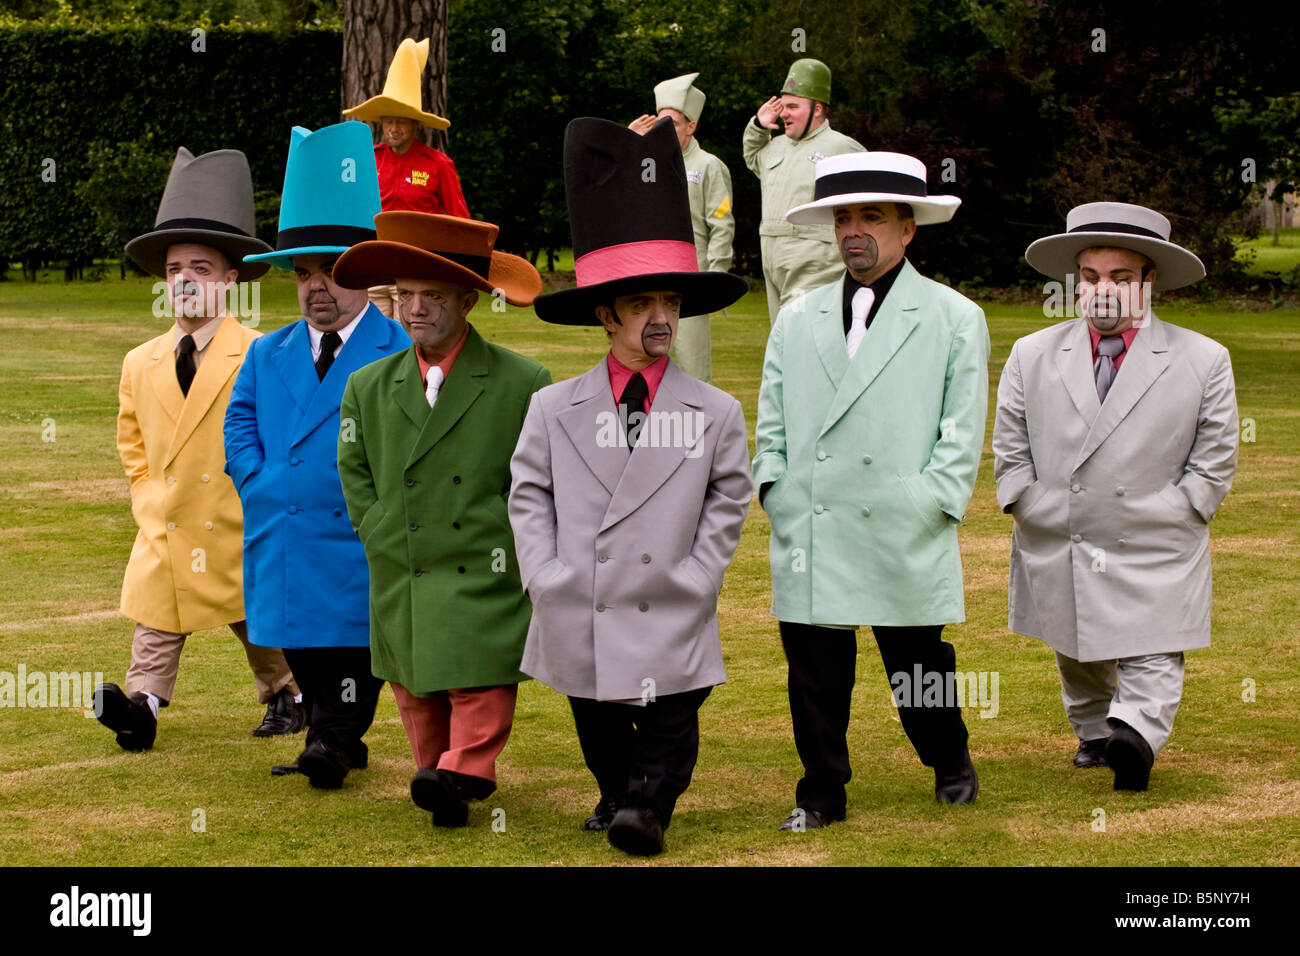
634, 396
328, 343
185, 364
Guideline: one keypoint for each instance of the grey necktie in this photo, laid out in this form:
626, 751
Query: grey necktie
861, 308
1108, 347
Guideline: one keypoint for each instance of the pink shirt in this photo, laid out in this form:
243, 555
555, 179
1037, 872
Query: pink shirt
620, 375
1118, 359
445, 364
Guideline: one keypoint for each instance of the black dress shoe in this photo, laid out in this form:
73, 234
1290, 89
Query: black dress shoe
803, 819
128, 714
958, 783
323, 765
603, 815
1091, 753
1129, 756
637, 830
436, 791
283, 769
283, 716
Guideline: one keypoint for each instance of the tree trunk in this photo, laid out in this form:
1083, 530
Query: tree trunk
372, 30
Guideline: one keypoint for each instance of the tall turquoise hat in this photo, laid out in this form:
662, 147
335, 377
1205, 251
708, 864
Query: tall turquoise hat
331, 193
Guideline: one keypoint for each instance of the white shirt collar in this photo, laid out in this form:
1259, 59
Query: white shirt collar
344, 333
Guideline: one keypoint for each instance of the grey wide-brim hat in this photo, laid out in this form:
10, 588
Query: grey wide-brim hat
855, 179
208, 200
1121, 225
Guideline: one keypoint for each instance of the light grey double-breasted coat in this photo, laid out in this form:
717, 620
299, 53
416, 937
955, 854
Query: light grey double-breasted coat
623, 552
1110, 554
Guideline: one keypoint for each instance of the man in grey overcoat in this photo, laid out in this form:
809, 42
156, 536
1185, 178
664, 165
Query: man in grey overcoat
629, 487
1114, 444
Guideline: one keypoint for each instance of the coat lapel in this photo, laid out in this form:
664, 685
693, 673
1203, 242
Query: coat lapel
828, 334
162, 376
461, 390
677, 397
1146, 360
898, 315
220, 362
1074, 364
292, 362
366, 344
581, 422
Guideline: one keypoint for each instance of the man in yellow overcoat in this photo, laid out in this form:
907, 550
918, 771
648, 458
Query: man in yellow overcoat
185, 571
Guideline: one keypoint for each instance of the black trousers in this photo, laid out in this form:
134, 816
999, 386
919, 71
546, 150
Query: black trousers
822, 672
340, 695
641, 756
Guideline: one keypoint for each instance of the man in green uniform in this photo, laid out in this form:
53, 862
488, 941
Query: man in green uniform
708, 185
796, 259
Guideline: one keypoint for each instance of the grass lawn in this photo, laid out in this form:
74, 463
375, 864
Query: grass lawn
1225, 791
1262, 257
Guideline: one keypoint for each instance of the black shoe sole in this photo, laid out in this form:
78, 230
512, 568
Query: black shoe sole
323, 773
432, 794
634, 840
115, 712
1131, 771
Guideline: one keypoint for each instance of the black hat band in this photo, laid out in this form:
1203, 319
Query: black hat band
1118, 227
868, 181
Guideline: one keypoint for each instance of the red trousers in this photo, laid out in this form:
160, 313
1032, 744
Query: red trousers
458, 730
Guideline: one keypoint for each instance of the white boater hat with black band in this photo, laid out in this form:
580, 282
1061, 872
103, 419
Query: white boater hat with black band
1120, 225
855, 179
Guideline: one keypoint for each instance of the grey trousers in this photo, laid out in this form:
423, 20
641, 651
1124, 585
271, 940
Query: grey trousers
1142, 691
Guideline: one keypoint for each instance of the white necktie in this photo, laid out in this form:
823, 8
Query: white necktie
434, 386
862, 300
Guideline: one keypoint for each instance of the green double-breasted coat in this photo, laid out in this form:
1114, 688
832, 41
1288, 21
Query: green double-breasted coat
426, 492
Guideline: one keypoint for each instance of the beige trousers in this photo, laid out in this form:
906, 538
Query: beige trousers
156, 657
385, 299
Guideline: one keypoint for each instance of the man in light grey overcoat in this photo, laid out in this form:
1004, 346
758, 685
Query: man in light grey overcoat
629, 488
1114, 444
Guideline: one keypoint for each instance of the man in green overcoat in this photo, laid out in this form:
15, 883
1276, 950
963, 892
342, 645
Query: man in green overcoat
425, 441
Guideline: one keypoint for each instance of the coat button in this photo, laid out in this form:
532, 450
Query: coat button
207, 526
600, 607
338, 512
293, 509
1122, 541
645, 559
419, 571
643, 606
866, 459
866, 512
415, 526
604, 558
455, 479
1119, 490
821, 455
1076, 487
204, 478
456, 525
461, 569
171, 480
818, 509
1076, 538
171, 525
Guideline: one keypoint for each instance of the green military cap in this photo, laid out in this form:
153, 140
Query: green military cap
810, 78
681, 94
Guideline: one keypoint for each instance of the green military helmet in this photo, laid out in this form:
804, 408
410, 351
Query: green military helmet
810, 78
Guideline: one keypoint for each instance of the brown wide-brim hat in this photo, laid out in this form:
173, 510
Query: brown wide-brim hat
437, 248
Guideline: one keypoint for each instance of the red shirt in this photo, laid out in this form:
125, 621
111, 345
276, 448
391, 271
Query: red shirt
620, 375
422, 179
1118, 360
445, 364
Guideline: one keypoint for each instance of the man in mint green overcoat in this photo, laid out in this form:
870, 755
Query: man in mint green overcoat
870, 425
424, 457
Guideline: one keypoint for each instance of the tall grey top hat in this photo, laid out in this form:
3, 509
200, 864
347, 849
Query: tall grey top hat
1121, 225
208, 199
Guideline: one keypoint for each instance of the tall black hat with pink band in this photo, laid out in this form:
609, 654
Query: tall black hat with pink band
631, 221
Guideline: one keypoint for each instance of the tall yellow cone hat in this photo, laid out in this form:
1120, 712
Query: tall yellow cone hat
401, 96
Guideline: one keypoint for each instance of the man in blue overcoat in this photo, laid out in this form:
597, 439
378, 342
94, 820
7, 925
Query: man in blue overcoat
306, 585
